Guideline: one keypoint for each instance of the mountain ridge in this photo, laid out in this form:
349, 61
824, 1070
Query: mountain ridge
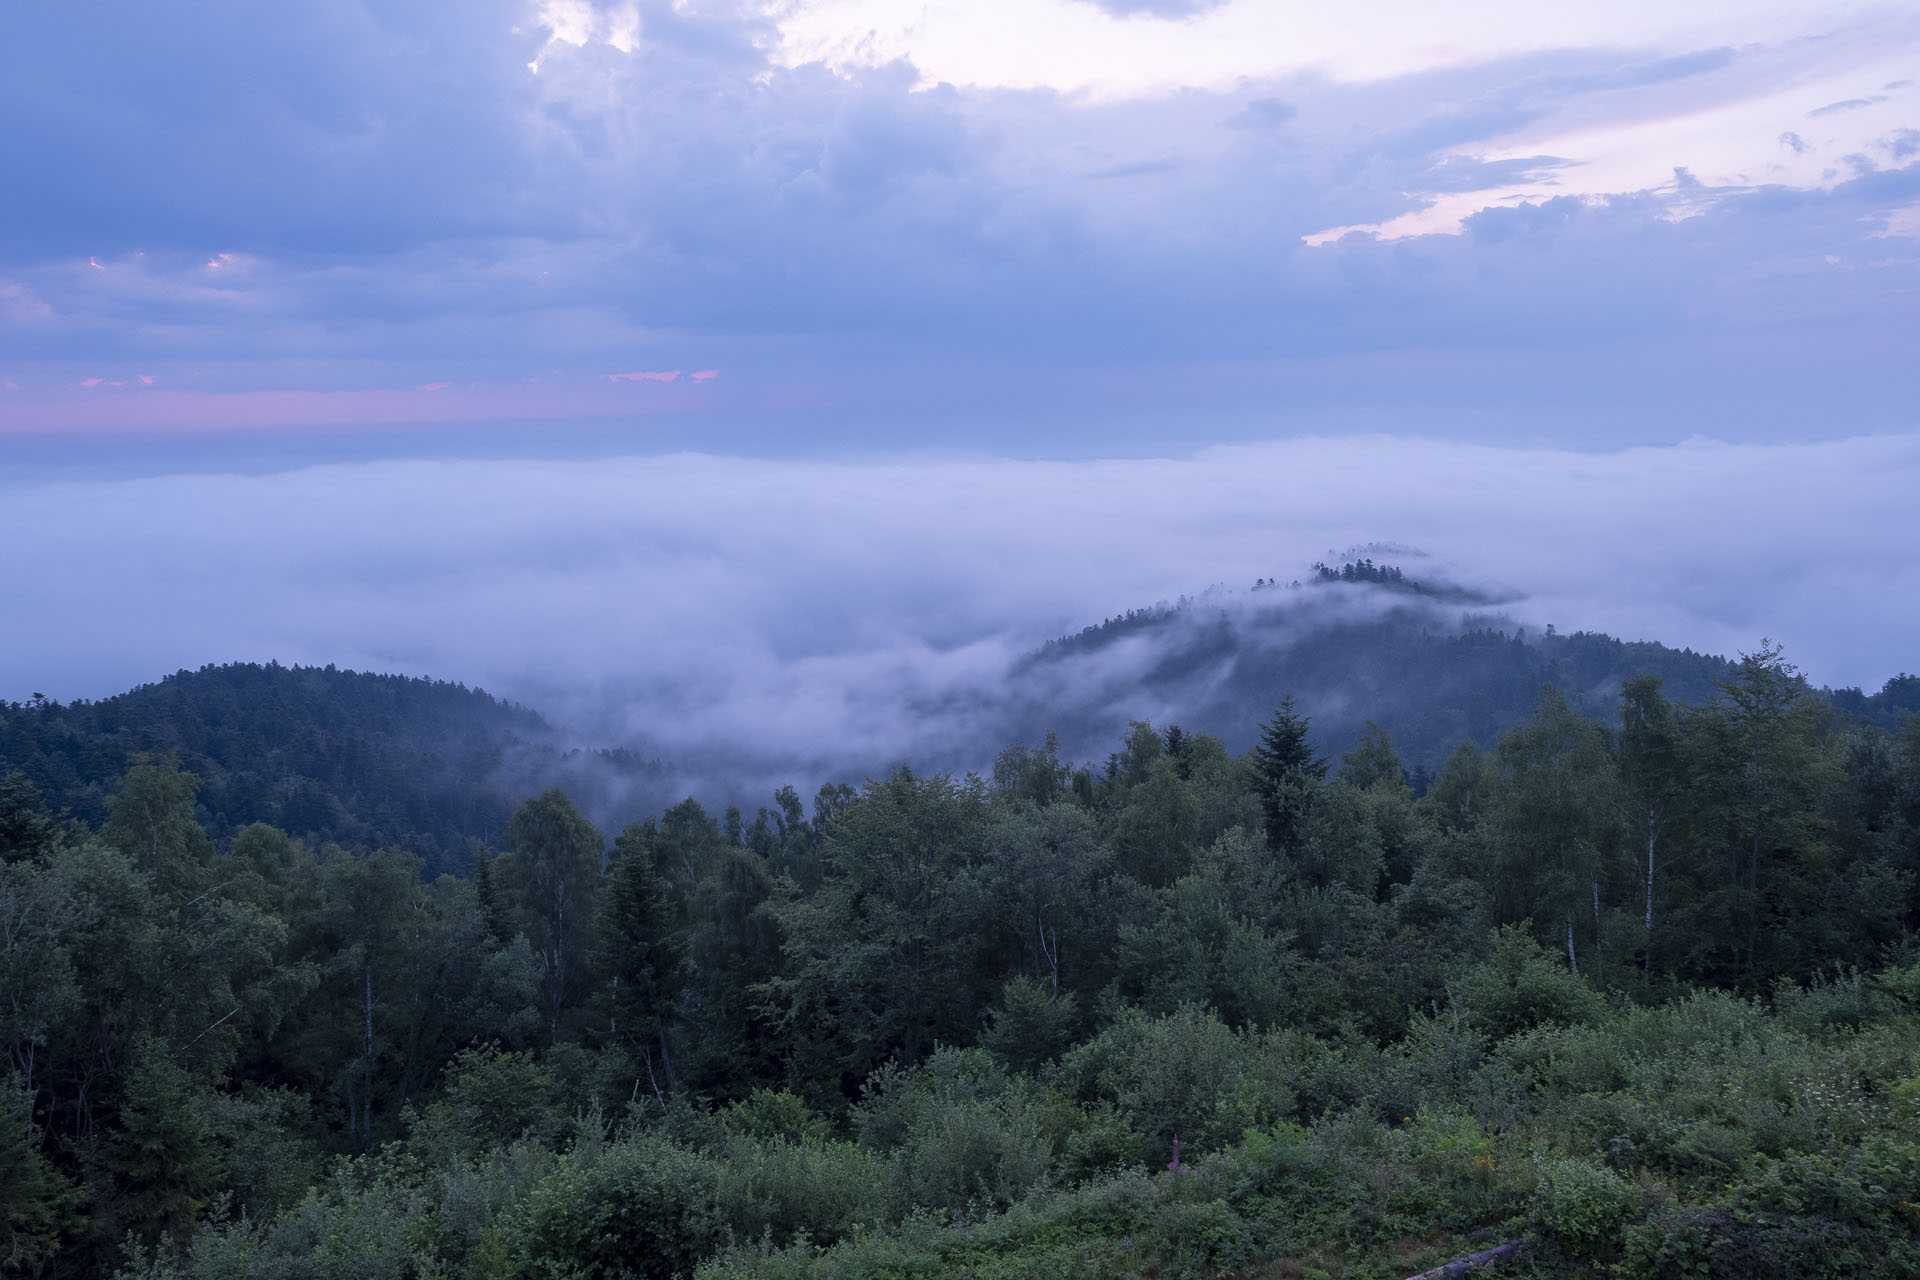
369, 759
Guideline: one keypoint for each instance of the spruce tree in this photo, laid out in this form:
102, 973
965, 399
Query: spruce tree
27, 830
640, 954
39, 1207
1289, 774
160, 1154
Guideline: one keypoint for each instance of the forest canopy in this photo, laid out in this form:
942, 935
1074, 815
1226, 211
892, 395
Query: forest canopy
1638, 992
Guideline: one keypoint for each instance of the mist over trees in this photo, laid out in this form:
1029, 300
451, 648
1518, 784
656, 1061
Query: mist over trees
1639, 991
366, 761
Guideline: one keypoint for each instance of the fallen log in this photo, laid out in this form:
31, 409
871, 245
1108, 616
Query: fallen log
1472, 1262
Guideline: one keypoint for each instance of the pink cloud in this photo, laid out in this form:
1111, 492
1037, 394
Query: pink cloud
146, 379
433, 386
172, 409
645, 375
11, 386
706, 375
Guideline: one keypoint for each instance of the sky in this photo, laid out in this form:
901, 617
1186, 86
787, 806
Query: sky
771, 344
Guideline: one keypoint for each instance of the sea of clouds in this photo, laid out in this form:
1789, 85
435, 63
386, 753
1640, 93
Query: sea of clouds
847, 610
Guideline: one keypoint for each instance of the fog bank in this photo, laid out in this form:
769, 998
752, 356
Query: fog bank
827, 612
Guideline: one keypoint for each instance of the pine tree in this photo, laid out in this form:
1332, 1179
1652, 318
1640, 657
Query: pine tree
487, 894
550, 874
27, 830
640, 953
161, 1154
38, 1205
1289, 775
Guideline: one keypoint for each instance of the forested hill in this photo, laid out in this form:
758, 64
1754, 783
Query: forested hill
367, 760
1634, 999
1429, 663
355, 758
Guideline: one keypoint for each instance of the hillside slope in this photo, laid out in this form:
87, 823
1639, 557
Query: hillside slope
368, 760
1432, 666
360, 759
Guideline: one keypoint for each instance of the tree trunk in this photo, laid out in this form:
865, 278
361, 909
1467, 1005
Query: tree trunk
1050, 953
666, 1059
655, 1081
1472, 1262
1573, 962
1646, 960
1753, 887
557, 959
1599, 948
367, 1102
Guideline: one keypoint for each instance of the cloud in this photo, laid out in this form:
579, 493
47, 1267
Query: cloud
79, 423
1140, 168
645, 375
1850, 104
1469, 173
1165, 10
1262, 113
1491, 226
392, 198
844, 614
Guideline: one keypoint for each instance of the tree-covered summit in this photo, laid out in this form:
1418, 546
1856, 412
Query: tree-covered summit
1431, 665
361, 759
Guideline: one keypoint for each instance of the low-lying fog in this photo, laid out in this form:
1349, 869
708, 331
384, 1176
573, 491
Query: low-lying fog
827, 613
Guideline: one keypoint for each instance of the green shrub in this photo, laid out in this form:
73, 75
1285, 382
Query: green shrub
1521, 985
1202, 1235
490, 1097
768, 1114
1582, 1205
1186, 1075
961, 1131
643, 1210
1104, 1141
782, 1190
1031, 1024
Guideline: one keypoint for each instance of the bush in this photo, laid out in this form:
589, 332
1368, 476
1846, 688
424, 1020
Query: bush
960, 1131
1581, 1205
1520, 985
769, 1114
1186, 1075
643, 1210
1031, 1024
1103, 1142
490, 1097
783, 1190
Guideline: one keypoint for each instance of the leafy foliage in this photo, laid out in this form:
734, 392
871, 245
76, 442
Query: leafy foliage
1642, 993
